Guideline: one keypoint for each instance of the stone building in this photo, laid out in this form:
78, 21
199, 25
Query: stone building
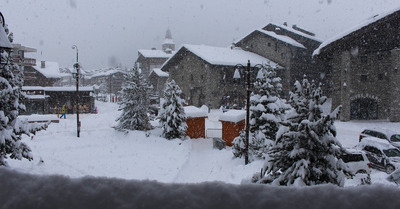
43, 74
148, 59
291, 48
206, 74
364, 62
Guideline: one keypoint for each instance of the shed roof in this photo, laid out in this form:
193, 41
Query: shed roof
233, 116
194, 112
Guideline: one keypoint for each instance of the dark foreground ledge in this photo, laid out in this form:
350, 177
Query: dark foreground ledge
19, 190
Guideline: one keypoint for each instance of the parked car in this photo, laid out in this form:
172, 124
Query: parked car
359, 165
382, 155
391, 136
357, 161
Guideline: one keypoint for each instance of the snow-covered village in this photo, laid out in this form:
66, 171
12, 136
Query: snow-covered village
186, 104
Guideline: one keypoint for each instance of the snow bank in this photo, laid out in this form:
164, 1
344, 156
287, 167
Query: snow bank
233, 116
194, 112
30, 191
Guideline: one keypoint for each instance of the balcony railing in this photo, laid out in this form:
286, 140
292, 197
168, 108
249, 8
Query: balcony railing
25, 62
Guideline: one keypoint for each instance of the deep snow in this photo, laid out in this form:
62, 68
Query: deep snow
102, 154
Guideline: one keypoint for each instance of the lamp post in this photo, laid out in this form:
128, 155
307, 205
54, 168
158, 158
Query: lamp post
248, 91
76, 76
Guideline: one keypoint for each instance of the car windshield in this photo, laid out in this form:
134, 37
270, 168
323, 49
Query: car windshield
392, 152
395, 138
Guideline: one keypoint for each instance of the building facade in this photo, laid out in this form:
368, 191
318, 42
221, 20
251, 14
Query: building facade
291, 48
364, 62
206, 74
148, 59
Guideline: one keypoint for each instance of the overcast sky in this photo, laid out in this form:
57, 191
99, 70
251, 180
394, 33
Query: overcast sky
110, 32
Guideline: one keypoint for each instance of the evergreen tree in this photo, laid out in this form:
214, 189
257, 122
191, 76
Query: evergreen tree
134, 103
172, 115
11, 127
267, 110
306, 151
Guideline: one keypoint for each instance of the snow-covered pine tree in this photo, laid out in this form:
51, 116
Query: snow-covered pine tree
11, 127
134, 103
267, 110
306, 151
172, 115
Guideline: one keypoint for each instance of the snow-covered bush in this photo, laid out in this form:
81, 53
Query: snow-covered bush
11, 127
172, 115
306, 151
134, 102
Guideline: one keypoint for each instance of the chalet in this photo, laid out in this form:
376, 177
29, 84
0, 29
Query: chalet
206, 74
148, 59
291, 48
43, 74
47, 100
364, 63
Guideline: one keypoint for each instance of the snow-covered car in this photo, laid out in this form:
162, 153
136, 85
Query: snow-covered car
382, 155
357, 161
391, 136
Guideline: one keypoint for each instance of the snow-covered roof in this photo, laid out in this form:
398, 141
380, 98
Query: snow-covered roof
107, 73
159, 72
353, 29
31, 88
51, 70
298, 32
154, 53
283, 38
35, 96
68, 88
227, 56
194, 112
56, 88
381, 144
4, 42
233, 116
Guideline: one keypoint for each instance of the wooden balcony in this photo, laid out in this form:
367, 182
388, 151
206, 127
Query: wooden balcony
24, 62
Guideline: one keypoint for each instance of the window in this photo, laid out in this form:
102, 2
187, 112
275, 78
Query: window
283, 55
276, 46
202, 77
269, 44
191, 77
380, 76
364, 78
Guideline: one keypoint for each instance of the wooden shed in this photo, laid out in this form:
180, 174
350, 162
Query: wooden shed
233, 122
196, 122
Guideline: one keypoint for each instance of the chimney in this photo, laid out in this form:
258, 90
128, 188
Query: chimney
285, 23
43, 64
302, 30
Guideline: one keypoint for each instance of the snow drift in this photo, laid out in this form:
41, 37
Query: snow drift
30, 191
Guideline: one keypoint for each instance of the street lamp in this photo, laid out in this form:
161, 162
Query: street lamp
76, 76
248, 91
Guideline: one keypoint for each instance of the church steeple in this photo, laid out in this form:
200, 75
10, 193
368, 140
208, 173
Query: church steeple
168, 45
